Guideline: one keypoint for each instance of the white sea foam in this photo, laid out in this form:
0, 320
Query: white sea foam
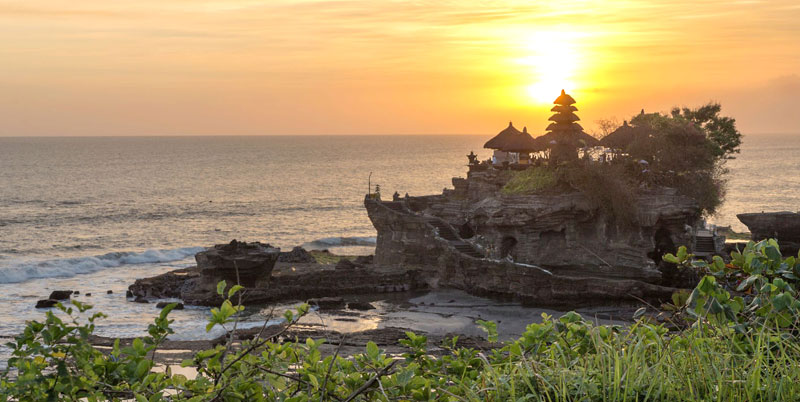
329, 242
13, 271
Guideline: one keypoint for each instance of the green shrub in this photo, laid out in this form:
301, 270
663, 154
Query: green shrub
608, 187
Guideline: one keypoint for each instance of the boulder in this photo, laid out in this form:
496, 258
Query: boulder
108, 292
298, 255
60, 294
46, 303
356, 305
327, 302
165, 304
141, 299
88, 294
245, 263
128, 293
76, 292
345, 265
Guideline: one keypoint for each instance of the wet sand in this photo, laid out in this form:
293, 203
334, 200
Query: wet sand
440, 314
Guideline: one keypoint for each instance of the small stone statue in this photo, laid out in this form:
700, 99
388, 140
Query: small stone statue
472, 157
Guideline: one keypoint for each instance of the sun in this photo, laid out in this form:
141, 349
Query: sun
554, 60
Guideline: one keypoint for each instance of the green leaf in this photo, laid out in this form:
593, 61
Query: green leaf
313, 380
372, 350
782, 300
232, 291
682, 253
707, 284
748, 282
670, 258
142, 368
718, 264
773, 253
138, 346
221, 285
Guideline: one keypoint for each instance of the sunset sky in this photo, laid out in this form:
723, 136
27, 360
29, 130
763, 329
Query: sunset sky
252, 67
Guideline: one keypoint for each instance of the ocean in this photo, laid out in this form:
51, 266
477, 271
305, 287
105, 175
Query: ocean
94, 214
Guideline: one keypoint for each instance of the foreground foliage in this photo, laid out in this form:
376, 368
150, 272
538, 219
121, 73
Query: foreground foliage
734, 345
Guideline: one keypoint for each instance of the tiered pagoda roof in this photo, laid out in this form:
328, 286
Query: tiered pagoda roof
565, 130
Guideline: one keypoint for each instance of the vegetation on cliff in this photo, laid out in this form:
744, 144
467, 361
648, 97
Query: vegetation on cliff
530, 181
685, 150
734, 338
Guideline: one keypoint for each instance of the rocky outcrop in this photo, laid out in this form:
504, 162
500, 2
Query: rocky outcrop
291, 282
297, 255
783, 226
410, 240
555, 248
237, 262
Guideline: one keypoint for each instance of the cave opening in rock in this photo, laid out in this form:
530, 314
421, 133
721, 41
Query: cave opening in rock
507, 246
466, 231
663, 244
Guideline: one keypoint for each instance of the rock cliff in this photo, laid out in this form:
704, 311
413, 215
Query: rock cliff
556, 248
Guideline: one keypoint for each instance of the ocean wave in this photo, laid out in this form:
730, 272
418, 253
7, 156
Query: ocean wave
20, 271
328, 242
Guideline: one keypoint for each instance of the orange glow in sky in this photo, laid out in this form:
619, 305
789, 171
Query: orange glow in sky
251, 67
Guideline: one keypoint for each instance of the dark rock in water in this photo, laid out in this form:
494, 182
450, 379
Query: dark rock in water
364, 260
327, 302
141, 299
345, 265
355, 305
128, 293
245, 263
298, 255
88, 294
60, 294
47, 303
108, 292
76, 292
322, 280
163, 304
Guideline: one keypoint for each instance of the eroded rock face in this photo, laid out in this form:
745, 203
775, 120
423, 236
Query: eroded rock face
237, 262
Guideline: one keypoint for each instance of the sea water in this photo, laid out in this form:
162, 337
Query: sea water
95, 214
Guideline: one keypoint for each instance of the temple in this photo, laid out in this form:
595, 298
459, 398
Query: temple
552, 247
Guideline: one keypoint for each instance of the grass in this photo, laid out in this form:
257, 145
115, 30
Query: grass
530, 181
